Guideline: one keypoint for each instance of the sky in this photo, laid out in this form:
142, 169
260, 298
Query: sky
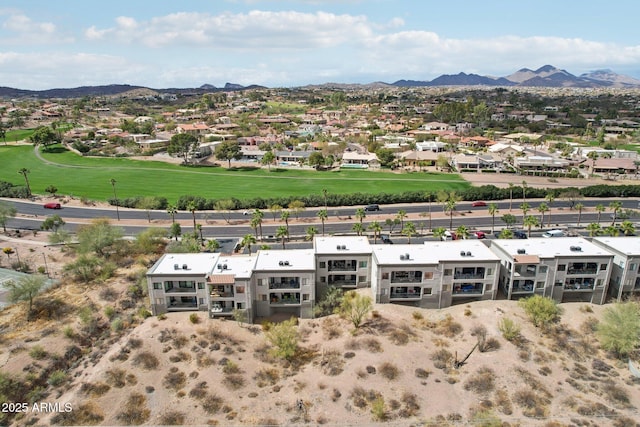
48, 44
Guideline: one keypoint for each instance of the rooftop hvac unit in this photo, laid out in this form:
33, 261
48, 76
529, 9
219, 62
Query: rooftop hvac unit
402, 257
338, 247
286, 263
219, 266
463, 253
176, 267
343, 247
224, 267
281, 263
468, 253
406, 256
576, 249
521, 251
184, 266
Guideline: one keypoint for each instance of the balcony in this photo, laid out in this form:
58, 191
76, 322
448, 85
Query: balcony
215, 295
581, 284
285, 283
342, 281
468, 289
178, 290
406, 277
284, 299
342, 265
183, 303
583, 271
468, 273
525, 272
582, 268
522, 289
405, 293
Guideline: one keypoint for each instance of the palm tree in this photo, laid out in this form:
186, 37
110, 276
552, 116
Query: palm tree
254, 224
594, 229
115, 197
323, 215
524, 191
361, 214
192, 207
401, 215
285, 217
24, 172
172, 210
247, 241
438, 232
600, 208
450, 207
627, 228
311, 232
542, 208
258, 215
493, 210
462, 232
579, 207
212, 245
506, 234
324, 195
550, 199
616, 207
358, 228
593, 155
511, 196
612, 231
530, 221
524, 207
377, 229
199, 233
409, 230
282, 232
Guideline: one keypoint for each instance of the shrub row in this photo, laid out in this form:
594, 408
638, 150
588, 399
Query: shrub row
134, 202
10, 190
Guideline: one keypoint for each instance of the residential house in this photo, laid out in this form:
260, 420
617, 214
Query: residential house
342, 261
625, 279
230, 286
565, 269
355, 160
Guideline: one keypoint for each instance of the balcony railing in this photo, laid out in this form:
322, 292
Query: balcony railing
342, 282
175, 289
406, 279
405, 295
183, 305
584, 271
525, 273
221, 295
289, 285
468, 276
285, 301
522, 288
579, 287
345, 267
467, 290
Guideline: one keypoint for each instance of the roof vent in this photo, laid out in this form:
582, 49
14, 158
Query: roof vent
280, 263
402, 257
344, 247
184, 266
575, 249
176, 267
463, 253
338, 247
286, 263
219, 266
522, 251
468, 253
407, 256
224, 267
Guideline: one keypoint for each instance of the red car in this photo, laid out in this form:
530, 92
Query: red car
479, 234
52, 205
478, 204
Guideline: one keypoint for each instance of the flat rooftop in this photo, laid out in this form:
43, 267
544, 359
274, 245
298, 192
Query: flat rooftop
331, 245
434, 253
628, 245
196, 264
287, 259
551, 247
241, 266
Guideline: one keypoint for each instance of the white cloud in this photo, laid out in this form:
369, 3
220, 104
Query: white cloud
21, 29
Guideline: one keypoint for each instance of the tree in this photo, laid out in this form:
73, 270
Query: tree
401, 215
541, 310
247, 241
572, 196
493, 210
358, 228
530, 221
612, 231
409, 230
377, 229
192, 207
275, 210
462, 232
225, 206
594, 229
439, 232
212, 245
296, 206
506, 234
24, 172
115, 197
511, 196
600, 208
182, 145
150, 241
619, 329
524, 207
593, 155
284, 338
98, 237
228, 150
268, 158
391, 223
361, 214
316, 159
311, 232
542, 208
86, 268
282, 233
44, 136
285, 217
257, 216
579, 207
323, 215
172, 210
386, 156
51, 189
355, 307
53, 223
627, 228
175, 231
26, 289
7, 211
448, 200
147, 203
524, 191
616, 208
509, 219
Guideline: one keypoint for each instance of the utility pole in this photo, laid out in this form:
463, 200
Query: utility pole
115, 196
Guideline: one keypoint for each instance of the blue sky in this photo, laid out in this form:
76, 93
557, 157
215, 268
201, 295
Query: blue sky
160, 44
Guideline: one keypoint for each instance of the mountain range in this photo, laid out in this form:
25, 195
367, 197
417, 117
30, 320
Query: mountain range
546, 76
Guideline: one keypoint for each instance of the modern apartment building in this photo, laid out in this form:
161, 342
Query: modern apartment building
435, 274
230, 286
625, 280
342, 261
564, 269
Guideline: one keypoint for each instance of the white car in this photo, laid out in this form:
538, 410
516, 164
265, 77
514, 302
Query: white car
216, 308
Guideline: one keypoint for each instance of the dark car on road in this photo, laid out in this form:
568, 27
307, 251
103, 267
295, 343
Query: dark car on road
370, 208
52, 205
478, 204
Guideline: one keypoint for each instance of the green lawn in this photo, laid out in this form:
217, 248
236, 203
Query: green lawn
90, 177
18, 135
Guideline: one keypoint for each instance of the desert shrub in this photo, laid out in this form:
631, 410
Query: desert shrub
231, 368
266, 377
422, 373
372, 345
503, 402
134, 343
442, 358
331, 328
448, 327
146, 360
417, 315
203, 360
181, 356
619, 330
212, 404
69, 332
194, 318
331, 362
234, 381
510, 330
37, 352
199, 391
616, 394
85, 414
399, 337
284, 337
389, 371
57, 378
533, 404
175, 380
542, 311
135, 411
378, 411
361, 397
180, 341
355, 307
117, 324
94, 389
172, 418
116, 377
485, 418
482, 382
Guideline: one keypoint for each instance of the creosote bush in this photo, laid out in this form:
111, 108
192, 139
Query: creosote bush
541, 310
510, 330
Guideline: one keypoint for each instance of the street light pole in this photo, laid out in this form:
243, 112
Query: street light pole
115, 196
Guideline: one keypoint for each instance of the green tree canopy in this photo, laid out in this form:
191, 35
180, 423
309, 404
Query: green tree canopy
98, 237
44, 136
182, 145
26, 289
619, 330
7, 211
228, 150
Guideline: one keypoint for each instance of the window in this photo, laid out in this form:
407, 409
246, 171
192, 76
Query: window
489, 272
323, 264
157, 285
599, 283
200, 285
240, 289
543, 269
305, 297
447, 272
385, 276
362, 279
426, 291
263, 297
539, 285
260, 282
446, 288
632, 266
239, 306
363, 264
201, 301
159, 301
323, 279
428, 275
562, 267
603, 267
